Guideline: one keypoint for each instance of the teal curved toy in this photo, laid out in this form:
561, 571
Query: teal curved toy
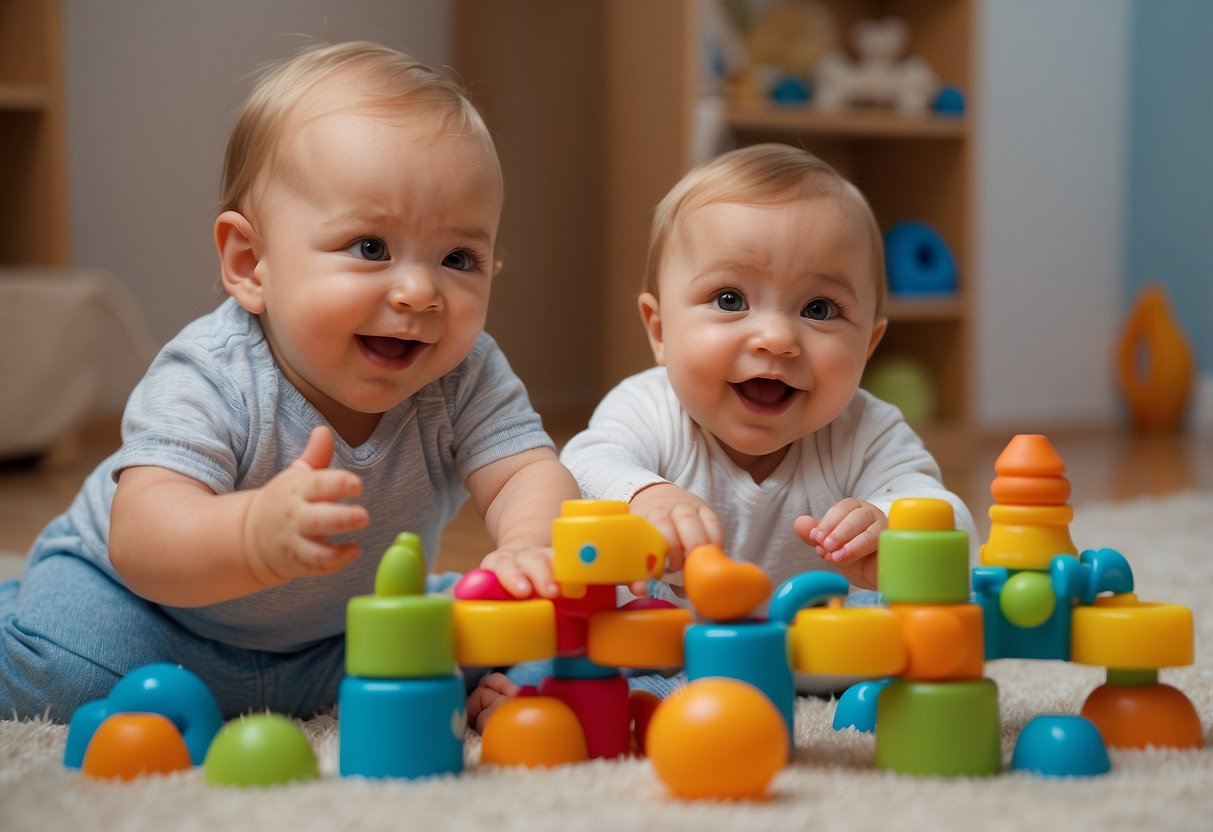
166, 689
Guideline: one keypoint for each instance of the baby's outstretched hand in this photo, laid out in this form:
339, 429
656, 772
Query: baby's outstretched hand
523, 570
684, 520
491, 692
291, 516
846, 537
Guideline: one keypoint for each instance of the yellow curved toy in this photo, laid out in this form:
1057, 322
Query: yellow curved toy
489, 633
1119, 631
599, 542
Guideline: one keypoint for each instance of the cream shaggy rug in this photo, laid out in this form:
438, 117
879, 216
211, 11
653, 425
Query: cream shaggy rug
830, 785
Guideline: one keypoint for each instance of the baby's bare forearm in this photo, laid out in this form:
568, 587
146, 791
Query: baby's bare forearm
178, 544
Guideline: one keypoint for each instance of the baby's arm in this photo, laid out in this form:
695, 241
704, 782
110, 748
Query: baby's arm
519, 497
846, 536
176, 542
684, 519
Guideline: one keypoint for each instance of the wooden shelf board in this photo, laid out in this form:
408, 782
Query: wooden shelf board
865, 123
945, 308
16, 97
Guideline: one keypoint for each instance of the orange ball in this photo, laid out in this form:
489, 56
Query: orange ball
126, 746
717, 738
533, 731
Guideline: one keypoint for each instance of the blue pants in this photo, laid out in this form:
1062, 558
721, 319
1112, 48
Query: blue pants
68, 632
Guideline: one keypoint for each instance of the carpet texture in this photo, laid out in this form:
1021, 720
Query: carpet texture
830, 785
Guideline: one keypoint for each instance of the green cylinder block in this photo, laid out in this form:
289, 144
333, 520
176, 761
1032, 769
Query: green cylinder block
400, 632
944, 729
923, 567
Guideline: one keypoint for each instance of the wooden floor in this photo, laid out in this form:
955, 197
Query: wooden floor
1101, 466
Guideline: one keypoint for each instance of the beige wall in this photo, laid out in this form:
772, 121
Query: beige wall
151, 91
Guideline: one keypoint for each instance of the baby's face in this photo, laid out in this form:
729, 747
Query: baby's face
377, 256
766, 317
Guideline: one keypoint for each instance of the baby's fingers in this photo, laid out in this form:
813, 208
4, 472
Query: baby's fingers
324, 519
314, 557
330, 485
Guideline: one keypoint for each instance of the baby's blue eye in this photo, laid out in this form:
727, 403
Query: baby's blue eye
461, 260
819, 309
370, 248
730, 301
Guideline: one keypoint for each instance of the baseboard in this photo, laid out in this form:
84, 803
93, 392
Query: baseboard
1200, 417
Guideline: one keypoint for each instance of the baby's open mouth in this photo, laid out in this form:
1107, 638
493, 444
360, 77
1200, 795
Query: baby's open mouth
391, 352
764, 393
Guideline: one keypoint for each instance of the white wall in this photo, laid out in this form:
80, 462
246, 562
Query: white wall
1051, 167
152, 87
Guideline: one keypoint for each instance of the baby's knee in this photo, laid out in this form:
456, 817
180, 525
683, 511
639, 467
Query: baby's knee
41, 678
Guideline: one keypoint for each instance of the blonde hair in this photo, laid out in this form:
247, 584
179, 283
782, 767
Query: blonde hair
760, 173
386, 79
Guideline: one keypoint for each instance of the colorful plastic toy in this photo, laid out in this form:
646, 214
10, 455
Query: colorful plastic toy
260, 750
918, 261
1061, 746
126, 746
533, 731
166, 689
1155, 364
402, 704
728, 731
599, 542
717, 738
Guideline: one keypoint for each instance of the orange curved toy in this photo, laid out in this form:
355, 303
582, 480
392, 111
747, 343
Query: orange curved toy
1155, 364
723, 589
533, 731
717, 738
129, 745
1131, 716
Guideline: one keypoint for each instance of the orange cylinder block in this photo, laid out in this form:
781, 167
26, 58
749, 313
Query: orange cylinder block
646, 638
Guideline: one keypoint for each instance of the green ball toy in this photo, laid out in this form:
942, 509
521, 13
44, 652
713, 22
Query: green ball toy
260, 750
903, 381
1027, 599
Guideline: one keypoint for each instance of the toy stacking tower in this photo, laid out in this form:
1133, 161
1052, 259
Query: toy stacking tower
1030, 525
402, 702
940, 716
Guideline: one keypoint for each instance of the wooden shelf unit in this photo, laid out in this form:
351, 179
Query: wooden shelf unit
912, 168
33, 170
633, 125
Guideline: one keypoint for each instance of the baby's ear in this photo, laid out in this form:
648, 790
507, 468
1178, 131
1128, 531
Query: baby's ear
878, 331
650, 316
239, 252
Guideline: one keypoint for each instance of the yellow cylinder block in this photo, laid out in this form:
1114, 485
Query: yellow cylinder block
1121, 632
855, 641
646, 638
504, 632
1027, 537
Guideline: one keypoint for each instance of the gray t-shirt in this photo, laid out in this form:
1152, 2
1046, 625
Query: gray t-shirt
215, 407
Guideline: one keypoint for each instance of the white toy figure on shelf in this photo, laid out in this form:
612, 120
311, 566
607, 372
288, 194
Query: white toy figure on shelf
880, 76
